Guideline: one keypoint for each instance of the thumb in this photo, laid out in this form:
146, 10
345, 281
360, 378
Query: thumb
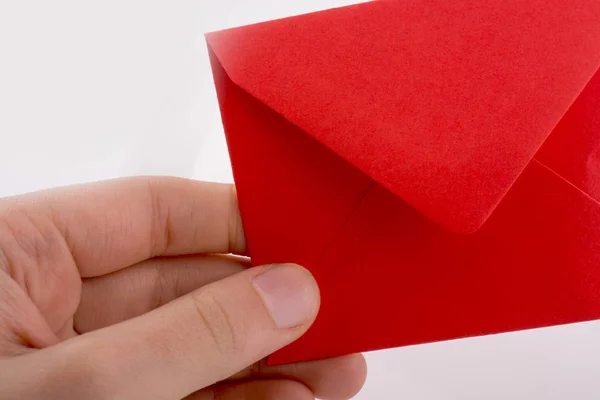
190, 343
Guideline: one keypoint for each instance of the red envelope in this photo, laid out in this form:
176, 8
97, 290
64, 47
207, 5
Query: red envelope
434, 163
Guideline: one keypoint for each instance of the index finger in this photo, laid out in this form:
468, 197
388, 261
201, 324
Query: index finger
113, 224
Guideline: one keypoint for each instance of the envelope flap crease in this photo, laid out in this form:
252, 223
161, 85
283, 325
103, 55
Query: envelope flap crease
443, 103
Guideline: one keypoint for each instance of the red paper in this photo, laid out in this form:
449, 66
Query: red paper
435, 164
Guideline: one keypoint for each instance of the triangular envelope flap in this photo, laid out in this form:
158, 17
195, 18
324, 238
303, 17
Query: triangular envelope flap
442, 102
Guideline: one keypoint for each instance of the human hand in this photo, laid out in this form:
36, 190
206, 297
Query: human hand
115, 290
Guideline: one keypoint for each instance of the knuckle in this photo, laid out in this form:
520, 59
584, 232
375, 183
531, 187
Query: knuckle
160, 229
32, 247
221, 328
22, 241
164, 287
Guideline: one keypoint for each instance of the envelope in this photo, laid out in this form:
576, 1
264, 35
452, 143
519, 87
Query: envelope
435, 164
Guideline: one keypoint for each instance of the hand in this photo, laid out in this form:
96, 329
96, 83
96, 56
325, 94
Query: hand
104, 294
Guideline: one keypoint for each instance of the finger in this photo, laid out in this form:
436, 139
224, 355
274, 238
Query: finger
186, 345
131, 292
22, 326
134, 291
113, 224
256, 390
335, 378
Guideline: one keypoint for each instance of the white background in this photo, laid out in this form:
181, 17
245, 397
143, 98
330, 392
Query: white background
95, 90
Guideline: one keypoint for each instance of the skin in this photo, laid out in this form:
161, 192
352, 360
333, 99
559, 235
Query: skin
138, 289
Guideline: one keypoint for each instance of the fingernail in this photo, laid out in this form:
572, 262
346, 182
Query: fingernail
290, 294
